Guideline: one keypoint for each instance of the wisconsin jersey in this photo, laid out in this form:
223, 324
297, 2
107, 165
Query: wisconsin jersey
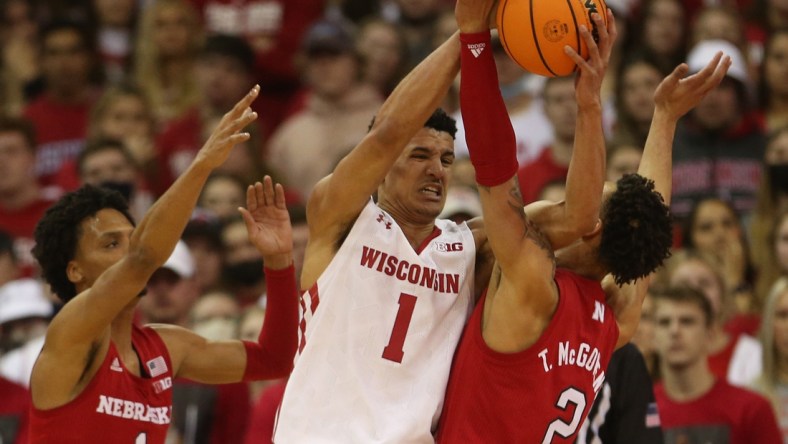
538, 395
116, 406
378, 334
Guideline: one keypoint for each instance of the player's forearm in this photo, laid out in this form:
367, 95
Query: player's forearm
657, 161
158, 232
586, 176
272, 355
418, 95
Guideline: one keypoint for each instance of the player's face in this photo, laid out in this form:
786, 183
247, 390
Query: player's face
104, 241
416, 184
681, 336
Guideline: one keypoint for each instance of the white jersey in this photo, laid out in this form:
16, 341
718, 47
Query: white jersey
378, 335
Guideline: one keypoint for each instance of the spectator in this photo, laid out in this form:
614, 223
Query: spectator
24, 316
243, 264
418, 19
274, 30
60, 113
123, 113
772, 204
622, 159
222, 195
336, 116
637, 80
224, 75
383, 52
719, 145
116, 23
773, 382
553, 163
733, 354
532, 128
22, 202
694, 405
773, 87
107, 162
215, 316
663, 32
644, 337
20, 68
203, 237
166, 48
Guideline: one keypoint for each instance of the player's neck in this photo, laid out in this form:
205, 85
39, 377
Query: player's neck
121, 327
688, 383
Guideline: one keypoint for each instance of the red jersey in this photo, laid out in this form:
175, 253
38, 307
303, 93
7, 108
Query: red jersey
724, 414
14, 404
115, 406
540, 394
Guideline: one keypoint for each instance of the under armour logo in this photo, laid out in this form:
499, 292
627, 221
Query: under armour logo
382, 218
476, 48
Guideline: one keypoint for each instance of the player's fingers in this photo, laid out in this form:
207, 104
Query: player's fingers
251, 199
244, 103
720, 71
593, 49
280, 196
235, 139
258, 192
248, 220
579, 61
268, 189
612, 29
604, 38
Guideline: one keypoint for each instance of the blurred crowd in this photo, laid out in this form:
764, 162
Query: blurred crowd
122, 93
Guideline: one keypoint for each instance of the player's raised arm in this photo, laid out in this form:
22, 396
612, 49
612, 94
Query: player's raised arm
674, 97
268, 226
82, 328
338, 198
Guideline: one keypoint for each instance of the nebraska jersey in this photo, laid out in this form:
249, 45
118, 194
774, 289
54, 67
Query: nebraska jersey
378, 333
538, 395
116, 406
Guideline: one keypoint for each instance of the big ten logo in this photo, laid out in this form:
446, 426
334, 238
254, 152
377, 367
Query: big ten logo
162, 384
446, 247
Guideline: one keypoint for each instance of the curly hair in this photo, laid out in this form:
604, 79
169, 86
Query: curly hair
636, 232
59, 230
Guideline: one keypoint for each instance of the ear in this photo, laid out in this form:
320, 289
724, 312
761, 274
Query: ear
74, 272
595, 232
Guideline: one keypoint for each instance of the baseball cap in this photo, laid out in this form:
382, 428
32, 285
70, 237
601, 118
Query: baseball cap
181, 261
328, 36
705, 50
23, 298
461, 200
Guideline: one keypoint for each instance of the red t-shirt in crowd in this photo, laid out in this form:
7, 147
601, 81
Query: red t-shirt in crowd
261, 426
538, 173
725, 413
20, 224
60, 134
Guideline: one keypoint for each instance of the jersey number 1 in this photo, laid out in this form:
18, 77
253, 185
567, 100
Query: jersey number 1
393, 351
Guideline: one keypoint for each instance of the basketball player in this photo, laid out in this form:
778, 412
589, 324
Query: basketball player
536, 347
99, 377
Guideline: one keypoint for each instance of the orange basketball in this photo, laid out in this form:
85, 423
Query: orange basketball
534, 32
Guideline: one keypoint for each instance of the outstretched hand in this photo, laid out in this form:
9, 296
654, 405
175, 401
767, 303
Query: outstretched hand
226, 134
676, 95
267, 219
588, 82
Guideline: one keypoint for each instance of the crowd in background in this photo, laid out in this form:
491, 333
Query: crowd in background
122, 93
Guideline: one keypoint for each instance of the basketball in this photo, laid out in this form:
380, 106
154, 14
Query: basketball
534, 32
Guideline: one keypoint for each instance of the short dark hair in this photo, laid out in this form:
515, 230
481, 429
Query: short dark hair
22, 126
443, 122
637, 230
58, 232
84, 32
7, 245
99, 145
229, 46
684, 294
439, 120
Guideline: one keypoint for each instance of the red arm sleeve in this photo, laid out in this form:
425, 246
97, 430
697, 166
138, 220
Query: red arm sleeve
488, 131
272, 355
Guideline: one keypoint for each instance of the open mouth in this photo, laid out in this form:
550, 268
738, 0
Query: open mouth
432, 190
